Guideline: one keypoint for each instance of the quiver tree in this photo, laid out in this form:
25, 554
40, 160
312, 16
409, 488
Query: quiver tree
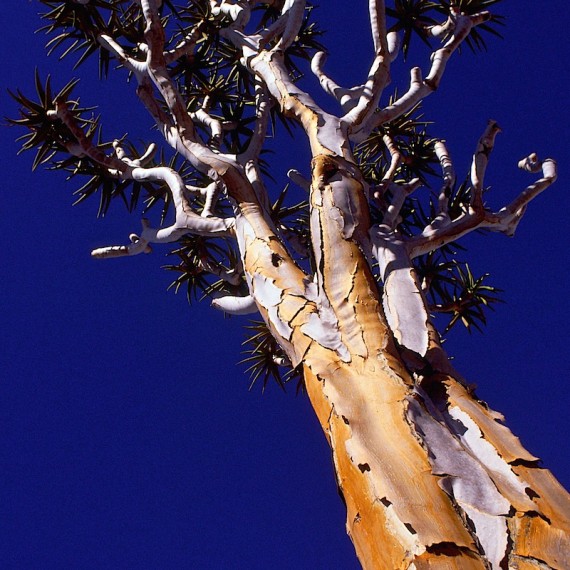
346, 281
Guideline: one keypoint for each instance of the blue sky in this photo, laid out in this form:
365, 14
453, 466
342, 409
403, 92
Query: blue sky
128, 438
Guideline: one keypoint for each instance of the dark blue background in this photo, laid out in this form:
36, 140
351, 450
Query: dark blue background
128, 438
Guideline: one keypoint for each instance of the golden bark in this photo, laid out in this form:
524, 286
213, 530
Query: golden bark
429, 476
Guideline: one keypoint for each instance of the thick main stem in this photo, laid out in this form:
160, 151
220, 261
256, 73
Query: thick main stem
397, 515
429, 477
383, 472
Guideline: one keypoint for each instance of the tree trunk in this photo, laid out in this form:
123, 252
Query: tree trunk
431, 479
429, 475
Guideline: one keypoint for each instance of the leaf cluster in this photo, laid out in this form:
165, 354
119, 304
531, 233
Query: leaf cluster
409, 132
56, 147
74, 28
266, 360
455, 291
194, 255
413, 18
44, 132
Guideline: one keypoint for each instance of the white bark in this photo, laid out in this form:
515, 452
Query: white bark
461, 25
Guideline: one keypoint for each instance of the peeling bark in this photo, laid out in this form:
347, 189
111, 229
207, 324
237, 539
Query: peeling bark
430, 477
421, 494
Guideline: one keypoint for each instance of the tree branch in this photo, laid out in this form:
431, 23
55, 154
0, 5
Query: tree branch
82, 145
377, 11
239, 12
460, 24
145, 90
379, 74
448, 174
216, 127
510, 216
476, 216
296, 177
156, 65
480, 161
395, 158
324, 130
294, 11
210, 193
399, 194
234, 305
185, 47
346, 97
359, 102
137, 67
186, 221
263, 105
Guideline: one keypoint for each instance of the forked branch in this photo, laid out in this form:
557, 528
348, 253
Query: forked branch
186, 220
475, 215
458, 26
360, 101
